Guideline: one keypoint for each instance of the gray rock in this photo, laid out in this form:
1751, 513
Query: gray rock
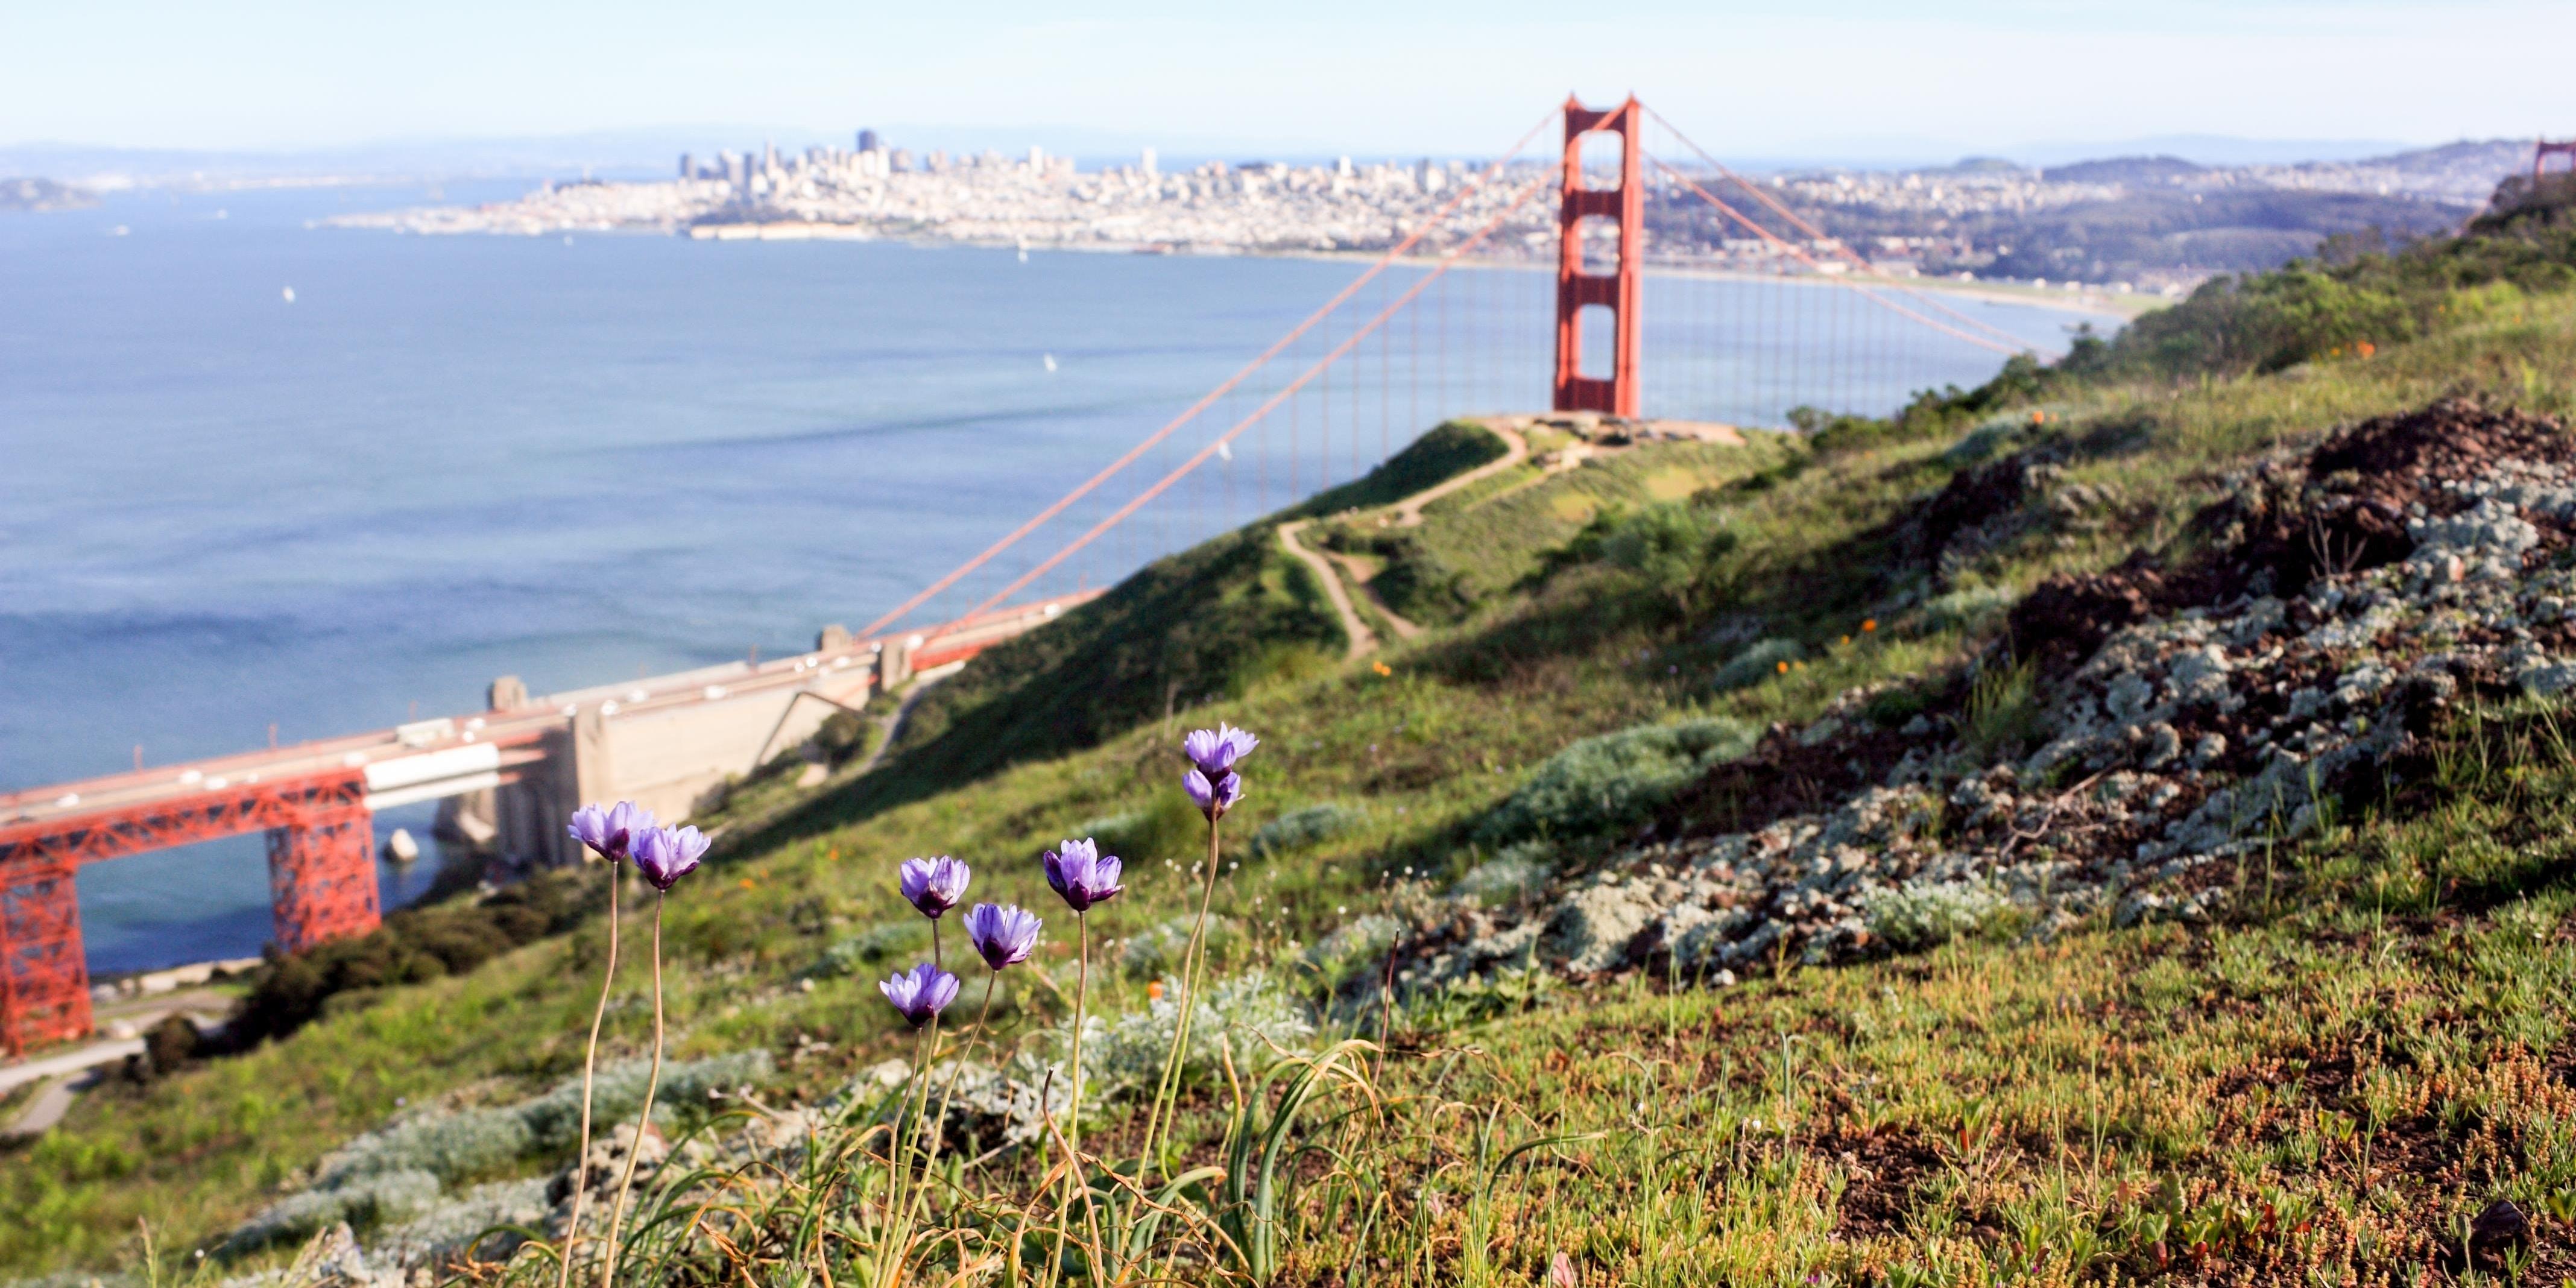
1593, 927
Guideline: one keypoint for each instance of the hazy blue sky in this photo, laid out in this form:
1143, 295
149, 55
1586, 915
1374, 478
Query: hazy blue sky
1367, 77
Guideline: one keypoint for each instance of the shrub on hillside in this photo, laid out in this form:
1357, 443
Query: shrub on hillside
1244, 1017
1759, 661
871, 948
1299, 828
1518, 872
1353, 945
396, 1171
414, 944
1922, 915
1418, 585
1672, 547
1614, 780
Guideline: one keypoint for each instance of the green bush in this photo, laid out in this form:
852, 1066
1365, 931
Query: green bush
1303, 827
1517, 873
1355, 944
1922, 915
1418, 585
1614, 780
886, 943
1759, 661
417, 943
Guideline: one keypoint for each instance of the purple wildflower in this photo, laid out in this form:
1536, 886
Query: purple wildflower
666, 854
1214, 751
934, 885
920, 995
1213, 798
1082, 876
1005, 933
610, 833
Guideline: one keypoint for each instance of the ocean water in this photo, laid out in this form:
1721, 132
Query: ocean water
579, 459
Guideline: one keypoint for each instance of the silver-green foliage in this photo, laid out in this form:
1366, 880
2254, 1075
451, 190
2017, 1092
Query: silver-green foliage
1759, 661
878, 945
1299, 828
361, 1201
1157, 949
1244, 1016
1521, 870
396, 1170
1614, 779
1923, 914
1356, 943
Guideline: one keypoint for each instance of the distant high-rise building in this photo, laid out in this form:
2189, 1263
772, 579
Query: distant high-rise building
1343, 167
867, 140
769, 155
1146, 163
899, 160
1431, 176
686, 170
1037, 159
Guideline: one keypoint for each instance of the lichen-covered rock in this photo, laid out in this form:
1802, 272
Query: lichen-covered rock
2357, 590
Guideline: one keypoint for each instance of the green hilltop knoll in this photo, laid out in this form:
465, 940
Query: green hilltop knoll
2109, 825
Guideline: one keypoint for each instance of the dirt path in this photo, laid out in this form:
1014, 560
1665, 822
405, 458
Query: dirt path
1362, 638
1407, 513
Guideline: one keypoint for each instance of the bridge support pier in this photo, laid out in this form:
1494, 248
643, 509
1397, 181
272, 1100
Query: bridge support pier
44, 978
322, 876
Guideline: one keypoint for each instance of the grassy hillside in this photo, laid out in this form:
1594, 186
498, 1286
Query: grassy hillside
1199, 627
1988, 1058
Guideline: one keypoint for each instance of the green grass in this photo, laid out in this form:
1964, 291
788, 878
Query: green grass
2380, 1046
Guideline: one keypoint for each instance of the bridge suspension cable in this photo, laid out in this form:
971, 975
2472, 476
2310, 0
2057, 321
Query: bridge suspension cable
1350, 342
1810, 261
1841, 247
1223, 388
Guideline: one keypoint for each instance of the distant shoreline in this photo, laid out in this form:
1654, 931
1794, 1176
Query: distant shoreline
2090, 299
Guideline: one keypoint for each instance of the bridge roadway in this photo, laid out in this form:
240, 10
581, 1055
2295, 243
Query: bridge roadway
507, 776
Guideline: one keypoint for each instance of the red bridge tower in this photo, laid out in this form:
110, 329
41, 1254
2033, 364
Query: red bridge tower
1618, 291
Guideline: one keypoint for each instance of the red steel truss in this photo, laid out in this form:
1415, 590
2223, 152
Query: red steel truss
322, 877
2540, 155
44, 983
1620, 291
321, 874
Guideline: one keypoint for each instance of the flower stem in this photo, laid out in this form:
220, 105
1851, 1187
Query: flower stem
1081, 995
1158, 1124
1074, 1186
897, 1232
652, 1083
948, 1094
589, 1061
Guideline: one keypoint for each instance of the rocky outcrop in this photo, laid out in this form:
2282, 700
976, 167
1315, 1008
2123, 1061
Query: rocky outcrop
2191, 715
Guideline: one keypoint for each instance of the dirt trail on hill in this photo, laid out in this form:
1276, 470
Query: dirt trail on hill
1362, 638
1406, 513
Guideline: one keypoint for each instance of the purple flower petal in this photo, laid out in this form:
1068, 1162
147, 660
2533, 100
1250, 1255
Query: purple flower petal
934, 885
1081, 876
610, 832
1005, 934
665, 854
921, 994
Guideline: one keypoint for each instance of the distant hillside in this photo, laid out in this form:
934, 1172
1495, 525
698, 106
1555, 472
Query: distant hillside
2179, 232
2127, 170
44, 194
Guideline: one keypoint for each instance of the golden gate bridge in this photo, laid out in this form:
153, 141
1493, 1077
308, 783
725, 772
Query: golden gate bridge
1468, 304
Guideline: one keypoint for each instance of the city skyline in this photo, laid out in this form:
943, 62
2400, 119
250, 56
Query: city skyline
1861, 79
